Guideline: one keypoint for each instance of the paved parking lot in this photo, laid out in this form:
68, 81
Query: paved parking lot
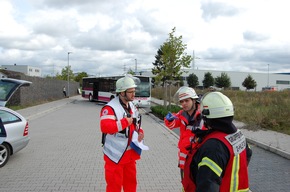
65, 154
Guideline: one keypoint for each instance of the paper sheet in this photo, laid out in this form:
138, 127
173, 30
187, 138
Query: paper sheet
137, 143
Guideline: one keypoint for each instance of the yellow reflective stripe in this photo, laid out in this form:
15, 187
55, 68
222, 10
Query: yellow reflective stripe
182, 189
235, 173
244, 190
211, 164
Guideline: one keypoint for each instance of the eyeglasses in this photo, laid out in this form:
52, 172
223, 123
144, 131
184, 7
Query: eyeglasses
130, 92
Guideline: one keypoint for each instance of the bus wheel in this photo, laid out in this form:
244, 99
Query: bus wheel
90, 97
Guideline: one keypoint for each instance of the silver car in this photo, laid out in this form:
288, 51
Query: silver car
13, 126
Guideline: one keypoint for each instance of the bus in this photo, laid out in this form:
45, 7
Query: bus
103, 89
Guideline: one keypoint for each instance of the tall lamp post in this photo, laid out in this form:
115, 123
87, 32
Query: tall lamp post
268, 76
68, 73
135, 66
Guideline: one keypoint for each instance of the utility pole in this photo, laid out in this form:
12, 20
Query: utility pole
193, 60
68, 73
268, 76
135, 66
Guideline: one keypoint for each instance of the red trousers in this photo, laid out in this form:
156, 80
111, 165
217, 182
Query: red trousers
120, 176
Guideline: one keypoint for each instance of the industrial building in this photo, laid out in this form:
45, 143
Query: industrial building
277, 81
25, 69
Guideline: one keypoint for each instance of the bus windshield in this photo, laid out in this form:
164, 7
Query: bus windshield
143, 89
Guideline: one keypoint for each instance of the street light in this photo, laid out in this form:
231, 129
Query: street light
68, 73
135, 66
268, 76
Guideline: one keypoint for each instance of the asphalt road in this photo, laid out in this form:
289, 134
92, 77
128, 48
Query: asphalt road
268, 172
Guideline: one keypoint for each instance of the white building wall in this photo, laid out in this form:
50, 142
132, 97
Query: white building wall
237, 78
27, 70
34, 71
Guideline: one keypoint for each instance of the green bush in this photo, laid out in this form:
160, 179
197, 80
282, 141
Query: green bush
268, 110
161, 111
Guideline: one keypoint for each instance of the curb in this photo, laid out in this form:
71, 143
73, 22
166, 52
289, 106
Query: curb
31, 113
269, 148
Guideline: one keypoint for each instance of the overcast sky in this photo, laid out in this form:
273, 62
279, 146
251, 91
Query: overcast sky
107, 37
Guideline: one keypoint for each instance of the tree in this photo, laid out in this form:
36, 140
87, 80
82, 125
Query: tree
158, 68
130, 71
192, 80
64, 72
49, 77
58, 76
223, 81
170, 58
80, 77
249, 83
180, 82
208, 80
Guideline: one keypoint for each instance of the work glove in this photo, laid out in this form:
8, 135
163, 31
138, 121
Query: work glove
170, 117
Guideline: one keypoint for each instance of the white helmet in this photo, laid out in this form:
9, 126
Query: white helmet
216, 105
125, 83
185, 93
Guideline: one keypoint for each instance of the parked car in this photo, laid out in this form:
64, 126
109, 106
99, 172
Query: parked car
13, 126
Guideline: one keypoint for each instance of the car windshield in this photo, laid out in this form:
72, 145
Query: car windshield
5, 89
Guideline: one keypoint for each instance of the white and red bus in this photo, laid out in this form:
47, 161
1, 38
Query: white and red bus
103, 89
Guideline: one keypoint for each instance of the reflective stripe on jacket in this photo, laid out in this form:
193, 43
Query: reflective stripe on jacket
235, 176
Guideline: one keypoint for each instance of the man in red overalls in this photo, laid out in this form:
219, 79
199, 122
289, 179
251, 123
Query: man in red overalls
119, 121
186, 119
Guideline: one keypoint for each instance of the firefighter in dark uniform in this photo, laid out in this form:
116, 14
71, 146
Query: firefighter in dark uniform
220, 155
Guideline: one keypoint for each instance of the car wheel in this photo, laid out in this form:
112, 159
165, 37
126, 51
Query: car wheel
4, 154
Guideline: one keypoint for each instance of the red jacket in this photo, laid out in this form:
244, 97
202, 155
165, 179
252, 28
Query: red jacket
186, 135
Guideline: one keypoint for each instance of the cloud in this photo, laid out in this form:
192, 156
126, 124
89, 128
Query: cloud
110, 37
212, 10
253, 36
